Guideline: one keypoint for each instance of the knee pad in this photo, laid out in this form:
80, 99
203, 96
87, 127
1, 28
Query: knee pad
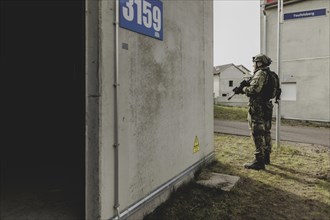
258, 129
268, 125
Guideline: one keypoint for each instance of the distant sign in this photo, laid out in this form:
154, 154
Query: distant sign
305, 14
142, 16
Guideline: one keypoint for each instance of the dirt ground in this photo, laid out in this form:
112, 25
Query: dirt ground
295, 186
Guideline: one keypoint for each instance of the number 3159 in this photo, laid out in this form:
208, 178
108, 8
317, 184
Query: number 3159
150, 16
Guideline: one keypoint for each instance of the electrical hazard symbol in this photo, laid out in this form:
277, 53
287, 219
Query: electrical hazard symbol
196, 145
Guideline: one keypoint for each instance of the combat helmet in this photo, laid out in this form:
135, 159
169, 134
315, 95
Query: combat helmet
265, 60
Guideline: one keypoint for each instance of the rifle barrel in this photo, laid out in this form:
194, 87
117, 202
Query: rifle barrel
231, 96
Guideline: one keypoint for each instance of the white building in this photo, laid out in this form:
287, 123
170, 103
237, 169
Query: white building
225, 79
305, 56
244, 69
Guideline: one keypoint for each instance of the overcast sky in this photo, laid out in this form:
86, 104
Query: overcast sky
236, 31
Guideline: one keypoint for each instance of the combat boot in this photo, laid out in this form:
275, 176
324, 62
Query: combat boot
267, 158
255, 165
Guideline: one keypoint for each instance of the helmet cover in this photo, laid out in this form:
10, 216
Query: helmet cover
262, 58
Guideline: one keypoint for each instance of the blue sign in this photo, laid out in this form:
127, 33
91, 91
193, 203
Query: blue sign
142, 16
305, 14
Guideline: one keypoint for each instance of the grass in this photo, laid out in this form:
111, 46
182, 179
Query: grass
230, 113
295, 186
240, 114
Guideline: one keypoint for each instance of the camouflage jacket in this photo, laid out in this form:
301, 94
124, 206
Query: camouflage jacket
254, 91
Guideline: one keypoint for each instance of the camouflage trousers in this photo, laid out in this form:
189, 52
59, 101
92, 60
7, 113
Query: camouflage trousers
260, 122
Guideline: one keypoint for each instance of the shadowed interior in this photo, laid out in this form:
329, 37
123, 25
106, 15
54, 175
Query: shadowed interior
43, 55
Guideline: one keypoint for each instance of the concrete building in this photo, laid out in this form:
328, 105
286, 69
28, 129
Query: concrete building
244, 69
225, 79
108, 121
305, 56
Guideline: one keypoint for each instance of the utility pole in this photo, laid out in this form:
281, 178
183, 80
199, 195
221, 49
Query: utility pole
278, 109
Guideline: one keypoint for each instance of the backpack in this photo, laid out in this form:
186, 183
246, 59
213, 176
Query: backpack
272, 88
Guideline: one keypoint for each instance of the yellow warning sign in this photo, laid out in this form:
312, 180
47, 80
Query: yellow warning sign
196, 145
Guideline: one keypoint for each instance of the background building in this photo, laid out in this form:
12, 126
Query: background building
225, 79
244, 69
103, 120
305, 56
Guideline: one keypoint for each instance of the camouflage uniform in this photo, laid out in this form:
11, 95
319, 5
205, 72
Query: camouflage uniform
259, 114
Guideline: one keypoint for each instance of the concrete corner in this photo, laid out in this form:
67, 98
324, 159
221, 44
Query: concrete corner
219, 181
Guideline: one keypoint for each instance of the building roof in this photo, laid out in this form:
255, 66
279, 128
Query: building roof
219, 69
244, 68
273, 3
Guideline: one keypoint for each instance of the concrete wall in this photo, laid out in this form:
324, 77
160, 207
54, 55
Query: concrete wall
234, 74
305, 59
165, 101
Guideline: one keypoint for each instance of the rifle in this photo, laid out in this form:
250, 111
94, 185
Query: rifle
239, 89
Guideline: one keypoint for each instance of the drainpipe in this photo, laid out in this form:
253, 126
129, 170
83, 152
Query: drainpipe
116, 129
264, 34
278, 109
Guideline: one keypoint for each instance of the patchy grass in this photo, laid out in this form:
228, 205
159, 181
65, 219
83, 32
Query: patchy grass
305, 123
240, 114
295, 186
230, 113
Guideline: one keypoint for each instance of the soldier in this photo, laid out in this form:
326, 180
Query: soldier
260, 111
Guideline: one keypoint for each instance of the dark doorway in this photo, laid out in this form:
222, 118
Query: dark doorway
43, 61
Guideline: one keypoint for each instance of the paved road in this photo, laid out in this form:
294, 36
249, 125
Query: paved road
310, 135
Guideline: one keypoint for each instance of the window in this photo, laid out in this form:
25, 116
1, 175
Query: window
230, 83
224, 94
